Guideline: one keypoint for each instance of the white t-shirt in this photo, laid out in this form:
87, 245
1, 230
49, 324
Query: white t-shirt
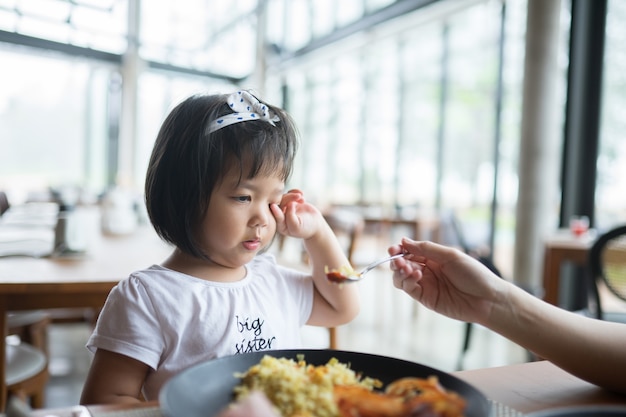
170, 321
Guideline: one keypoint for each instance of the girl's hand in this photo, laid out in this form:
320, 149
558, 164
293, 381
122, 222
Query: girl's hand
446, 280
295, 217
333, 305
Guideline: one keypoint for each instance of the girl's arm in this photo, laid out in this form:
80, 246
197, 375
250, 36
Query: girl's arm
333, 304
113, 379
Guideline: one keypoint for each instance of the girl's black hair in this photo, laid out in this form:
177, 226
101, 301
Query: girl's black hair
187, 162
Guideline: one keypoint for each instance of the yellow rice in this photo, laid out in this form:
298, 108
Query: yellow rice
297, 388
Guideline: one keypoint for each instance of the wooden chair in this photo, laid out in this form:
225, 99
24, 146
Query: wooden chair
26, 373
31, 326
348, 226
607, 267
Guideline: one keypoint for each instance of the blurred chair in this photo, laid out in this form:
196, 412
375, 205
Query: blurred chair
456, 238
26, 373
4, 202
348, 227
607, 268
30, 326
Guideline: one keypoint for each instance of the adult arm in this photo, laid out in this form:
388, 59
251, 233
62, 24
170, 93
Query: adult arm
593, 350
452, 283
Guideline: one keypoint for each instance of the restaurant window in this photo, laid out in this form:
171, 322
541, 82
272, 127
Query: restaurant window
421, 72
53, 122
470, 114
99, 25
345, 160
420, 129
380, 101
610, 200
215, 36
61, 97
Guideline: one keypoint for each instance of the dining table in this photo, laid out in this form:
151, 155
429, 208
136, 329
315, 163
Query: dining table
529, 387
416, 222
560, 248
419, 225
512, 390
74, 280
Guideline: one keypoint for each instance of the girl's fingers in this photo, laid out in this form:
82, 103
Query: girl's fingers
277, 212
292, 196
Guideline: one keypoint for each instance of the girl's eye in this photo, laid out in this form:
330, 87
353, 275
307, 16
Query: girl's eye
242, 198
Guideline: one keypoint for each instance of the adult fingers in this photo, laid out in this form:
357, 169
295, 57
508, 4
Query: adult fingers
425, 250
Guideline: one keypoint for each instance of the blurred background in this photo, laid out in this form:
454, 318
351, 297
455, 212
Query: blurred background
401, 104
508, 115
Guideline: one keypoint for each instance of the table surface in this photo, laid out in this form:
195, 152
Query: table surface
109, 258
535, 386
521, 388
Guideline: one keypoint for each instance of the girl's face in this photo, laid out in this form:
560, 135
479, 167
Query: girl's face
238, 222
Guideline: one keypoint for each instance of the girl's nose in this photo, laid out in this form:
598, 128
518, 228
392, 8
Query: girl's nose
261, 216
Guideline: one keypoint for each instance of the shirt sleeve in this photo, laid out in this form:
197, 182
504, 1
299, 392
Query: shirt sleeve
301, 291
128, 324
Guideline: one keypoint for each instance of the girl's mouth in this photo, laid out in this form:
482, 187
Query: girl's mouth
252, 244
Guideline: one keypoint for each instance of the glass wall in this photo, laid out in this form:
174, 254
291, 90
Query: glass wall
99, 25
407, 118
53, 121
61, 90
402, 115
611, 165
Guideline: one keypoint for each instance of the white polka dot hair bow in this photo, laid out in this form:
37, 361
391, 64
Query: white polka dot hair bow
245, 107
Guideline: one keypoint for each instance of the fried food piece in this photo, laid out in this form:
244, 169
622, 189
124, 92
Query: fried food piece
341, 275
427, 391
406, 397
354, 401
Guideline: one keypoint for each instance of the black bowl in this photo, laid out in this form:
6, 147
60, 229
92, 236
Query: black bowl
205, 389
583, 411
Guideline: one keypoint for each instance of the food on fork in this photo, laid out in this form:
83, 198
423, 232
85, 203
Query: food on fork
341, 274
298, 389
348, 274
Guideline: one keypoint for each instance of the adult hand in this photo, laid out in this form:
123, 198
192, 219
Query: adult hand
446, 280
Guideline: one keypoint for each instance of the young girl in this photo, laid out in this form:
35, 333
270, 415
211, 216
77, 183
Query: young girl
215, 190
